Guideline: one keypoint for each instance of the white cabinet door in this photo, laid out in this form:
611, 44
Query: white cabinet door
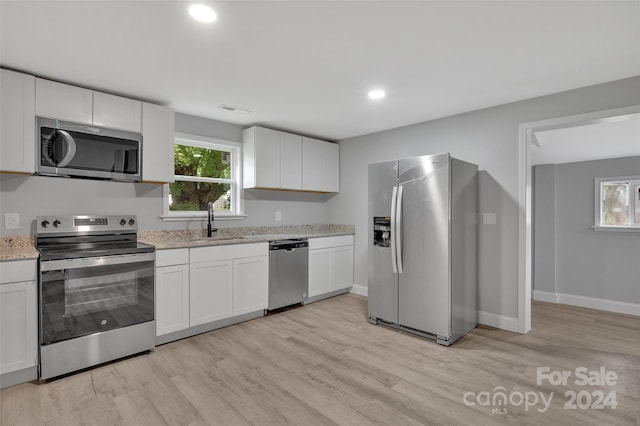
158, 129
116, 112
172, 299
18, 326
63, 102
17, 122
312, 164
290, 161
330, 167
250, 284
342, 267
267, 158
320, 272
210, 292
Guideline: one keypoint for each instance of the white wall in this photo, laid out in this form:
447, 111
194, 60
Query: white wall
588, 263
31, 196
488, 138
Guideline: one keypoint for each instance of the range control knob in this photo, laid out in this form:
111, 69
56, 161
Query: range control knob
45, 223
56, 223
131, 221
123, 222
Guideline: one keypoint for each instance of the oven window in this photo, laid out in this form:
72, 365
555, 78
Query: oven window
80, 301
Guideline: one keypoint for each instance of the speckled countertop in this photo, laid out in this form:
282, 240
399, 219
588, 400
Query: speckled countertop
21, 247
18, 247
240, 235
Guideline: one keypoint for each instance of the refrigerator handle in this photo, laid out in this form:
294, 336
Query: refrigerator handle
398, 230
394, 196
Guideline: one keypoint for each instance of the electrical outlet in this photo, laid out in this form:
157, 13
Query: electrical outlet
278, 216
488, 218
12, 221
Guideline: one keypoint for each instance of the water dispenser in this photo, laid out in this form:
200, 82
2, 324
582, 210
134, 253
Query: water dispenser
381, 231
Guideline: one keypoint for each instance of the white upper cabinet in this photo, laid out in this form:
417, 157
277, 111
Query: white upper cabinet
17, 122
116, 112
330, 167
312, 164
70, 103
261, 158
281, 160
290, 161
63, 102
158, 130
320, 165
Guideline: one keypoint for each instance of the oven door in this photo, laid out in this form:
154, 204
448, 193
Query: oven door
90, 295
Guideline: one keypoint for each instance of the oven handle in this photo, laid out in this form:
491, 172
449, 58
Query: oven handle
87, 262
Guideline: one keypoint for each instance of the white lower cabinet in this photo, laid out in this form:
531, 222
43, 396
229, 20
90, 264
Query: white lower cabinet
250, 284
330, 264
211, 291
227, 281
172, 291
18, 316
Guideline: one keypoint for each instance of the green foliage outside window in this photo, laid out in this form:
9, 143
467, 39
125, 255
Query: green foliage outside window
189, 195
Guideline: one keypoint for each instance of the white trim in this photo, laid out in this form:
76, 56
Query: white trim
498, 321
591, 303
545, 296
525, 140
360, 290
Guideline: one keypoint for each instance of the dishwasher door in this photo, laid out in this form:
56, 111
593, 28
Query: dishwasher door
288, 272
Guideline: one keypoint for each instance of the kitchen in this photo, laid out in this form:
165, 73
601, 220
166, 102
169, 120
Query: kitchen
487, 137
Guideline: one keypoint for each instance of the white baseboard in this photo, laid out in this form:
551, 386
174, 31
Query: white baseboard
589, 302
545, 296
360, 290
498, 321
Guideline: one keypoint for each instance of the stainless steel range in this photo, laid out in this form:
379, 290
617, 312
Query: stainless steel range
96, 291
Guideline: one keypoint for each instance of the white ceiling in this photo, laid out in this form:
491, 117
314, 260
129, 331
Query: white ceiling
307, 66
611, 138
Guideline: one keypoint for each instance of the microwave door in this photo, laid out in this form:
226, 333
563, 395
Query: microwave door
69, 150
58, 149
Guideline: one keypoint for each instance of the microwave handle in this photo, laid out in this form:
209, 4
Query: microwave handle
71, 148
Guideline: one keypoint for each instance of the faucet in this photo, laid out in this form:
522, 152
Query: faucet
210, 219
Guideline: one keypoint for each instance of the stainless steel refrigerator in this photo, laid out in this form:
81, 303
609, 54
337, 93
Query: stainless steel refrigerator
423, 220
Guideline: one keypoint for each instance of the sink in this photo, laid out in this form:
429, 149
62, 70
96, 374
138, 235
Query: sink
216, 238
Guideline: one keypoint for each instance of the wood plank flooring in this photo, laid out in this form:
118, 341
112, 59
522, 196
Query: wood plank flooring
323, 364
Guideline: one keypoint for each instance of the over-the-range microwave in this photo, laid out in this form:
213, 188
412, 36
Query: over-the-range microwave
80, 150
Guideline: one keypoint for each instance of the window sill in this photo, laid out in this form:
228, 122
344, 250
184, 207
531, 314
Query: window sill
199, 217
617, 228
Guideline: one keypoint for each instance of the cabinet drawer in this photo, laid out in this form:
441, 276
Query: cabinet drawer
172, 257
235, 251
19, 270
325, 242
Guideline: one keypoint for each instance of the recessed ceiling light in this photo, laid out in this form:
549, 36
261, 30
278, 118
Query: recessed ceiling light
202, 13
376, 94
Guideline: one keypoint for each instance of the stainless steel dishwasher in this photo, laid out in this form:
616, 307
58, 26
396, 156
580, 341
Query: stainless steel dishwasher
288, 272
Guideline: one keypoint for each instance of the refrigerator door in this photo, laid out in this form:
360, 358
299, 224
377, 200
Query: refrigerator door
424, 285
383, 282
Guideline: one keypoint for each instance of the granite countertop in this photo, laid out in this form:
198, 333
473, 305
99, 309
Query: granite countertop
18, 247
240, 235
21, 247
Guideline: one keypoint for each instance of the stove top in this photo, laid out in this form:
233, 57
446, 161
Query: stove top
71, 237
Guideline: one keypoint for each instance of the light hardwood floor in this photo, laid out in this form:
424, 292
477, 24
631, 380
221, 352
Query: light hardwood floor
324, 364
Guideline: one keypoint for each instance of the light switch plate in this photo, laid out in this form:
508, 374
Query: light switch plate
12, 220
278, 216
488, 218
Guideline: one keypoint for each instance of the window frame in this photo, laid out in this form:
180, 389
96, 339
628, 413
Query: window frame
634, 203
237, 198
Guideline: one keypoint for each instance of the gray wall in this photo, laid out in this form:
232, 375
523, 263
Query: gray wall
599, 264
488, 138
31, 196
544, 228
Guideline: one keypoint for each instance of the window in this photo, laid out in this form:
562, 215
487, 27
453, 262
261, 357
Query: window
617, 203
206, 170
